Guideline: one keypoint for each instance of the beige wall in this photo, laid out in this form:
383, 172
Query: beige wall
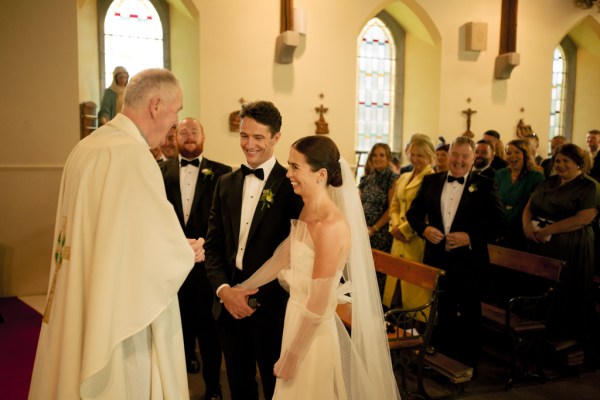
39, 123
224, 50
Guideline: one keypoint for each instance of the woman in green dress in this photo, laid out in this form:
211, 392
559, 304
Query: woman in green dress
515, 183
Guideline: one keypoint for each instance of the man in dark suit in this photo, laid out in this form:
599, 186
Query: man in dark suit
548, 163
593, 142
190, 182
458, 213
250, 217
494, 138
484, 154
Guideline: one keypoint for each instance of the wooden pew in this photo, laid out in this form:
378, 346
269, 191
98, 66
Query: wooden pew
523, 284
409, 330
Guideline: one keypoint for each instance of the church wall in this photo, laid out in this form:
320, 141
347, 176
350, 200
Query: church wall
587, 91
39, 124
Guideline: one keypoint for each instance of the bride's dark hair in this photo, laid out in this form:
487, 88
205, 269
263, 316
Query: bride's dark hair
321, 152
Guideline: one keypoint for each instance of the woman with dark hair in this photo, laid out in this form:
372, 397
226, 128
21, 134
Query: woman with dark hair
515, 183
318, 358
558, 222
376, 190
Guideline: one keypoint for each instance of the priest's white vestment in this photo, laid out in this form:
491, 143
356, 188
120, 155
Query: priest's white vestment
118, 260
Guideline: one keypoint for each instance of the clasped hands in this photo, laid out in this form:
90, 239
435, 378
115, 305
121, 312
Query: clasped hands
198, 247
235, 300
454, 240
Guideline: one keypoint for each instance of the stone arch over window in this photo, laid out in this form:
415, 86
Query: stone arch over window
152, 16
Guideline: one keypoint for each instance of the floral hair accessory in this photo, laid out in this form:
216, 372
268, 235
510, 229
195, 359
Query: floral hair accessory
267, 199
208, 173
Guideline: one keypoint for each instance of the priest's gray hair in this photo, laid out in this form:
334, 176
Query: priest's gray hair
146, 84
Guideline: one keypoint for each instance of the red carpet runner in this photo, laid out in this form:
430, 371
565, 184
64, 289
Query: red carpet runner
18, 341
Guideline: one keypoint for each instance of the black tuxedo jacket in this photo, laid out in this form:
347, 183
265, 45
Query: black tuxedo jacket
197, 225
489, 172
270, 226
595, 171
480, 214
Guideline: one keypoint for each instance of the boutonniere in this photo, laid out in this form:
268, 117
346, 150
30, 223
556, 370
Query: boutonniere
208, 173
266, 198
473, 187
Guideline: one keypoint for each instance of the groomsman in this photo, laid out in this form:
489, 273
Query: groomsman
458, 213
250, 217
190, 181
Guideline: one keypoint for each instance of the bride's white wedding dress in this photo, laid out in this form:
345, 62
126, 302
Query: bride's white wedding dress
319, 370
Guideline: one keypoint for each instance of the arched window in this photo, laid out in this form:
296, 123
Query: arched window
134, 34
557, 102
563, 90
379, 102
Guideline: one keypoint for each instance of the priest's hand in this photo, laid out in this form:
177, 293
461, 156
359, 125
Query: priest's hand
235, 301
198, 247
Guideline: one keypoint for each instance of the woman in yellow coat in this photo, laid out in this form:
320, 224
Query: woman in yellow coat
407, 244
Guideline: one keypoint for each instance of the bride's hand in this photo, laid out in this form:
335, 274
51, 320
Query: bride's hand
285, 367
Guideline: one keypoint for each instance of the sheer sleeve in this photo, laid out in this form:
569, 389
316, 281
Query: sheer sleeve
319, 294
269, 270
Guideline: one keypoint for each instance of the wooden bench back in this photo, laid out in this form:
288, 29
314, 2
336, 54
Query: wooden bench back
531, 264
406, 270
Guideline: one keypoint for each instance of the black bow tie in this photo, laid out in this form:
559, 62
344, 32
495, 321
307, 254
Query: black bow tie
258, 172
460, 180
195, 162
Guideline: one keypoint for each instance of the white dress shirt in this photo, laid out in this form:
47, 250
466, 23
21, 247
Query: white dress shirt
451, 194
253, 188
188, 176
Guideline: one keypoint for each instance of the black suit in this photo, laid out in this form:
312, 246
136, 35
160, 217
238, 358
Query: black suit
196, 296
489, 172
498, 163
256, 339
480, 214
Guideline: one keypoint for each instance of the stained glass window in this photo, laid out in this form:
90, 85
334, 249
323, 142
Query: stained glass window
376, 74
557, 102
133, 37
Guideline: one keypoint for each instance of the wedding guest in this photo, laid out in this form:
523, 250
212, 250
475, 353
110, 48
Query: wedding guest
407, 244
441, 156
493, 137
375, 190
515, 184
458, 213
190, 180
558, 222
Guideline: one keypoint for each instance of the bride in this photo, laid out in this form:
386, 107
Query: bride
329, 241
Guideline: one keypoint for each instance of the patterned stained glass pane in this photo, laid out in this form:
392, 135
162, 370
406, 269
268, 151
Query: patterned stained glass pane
376, 67
557, 102
133, 37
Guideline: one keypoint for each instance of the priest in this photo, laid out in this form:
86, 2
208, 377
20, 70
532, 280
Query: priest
111, 328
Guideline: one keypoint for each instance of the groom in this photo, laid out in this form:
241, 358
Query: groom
250, 216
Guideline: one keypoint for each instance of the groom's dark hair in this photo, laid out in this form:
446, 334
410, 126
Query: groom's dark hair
263, 112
